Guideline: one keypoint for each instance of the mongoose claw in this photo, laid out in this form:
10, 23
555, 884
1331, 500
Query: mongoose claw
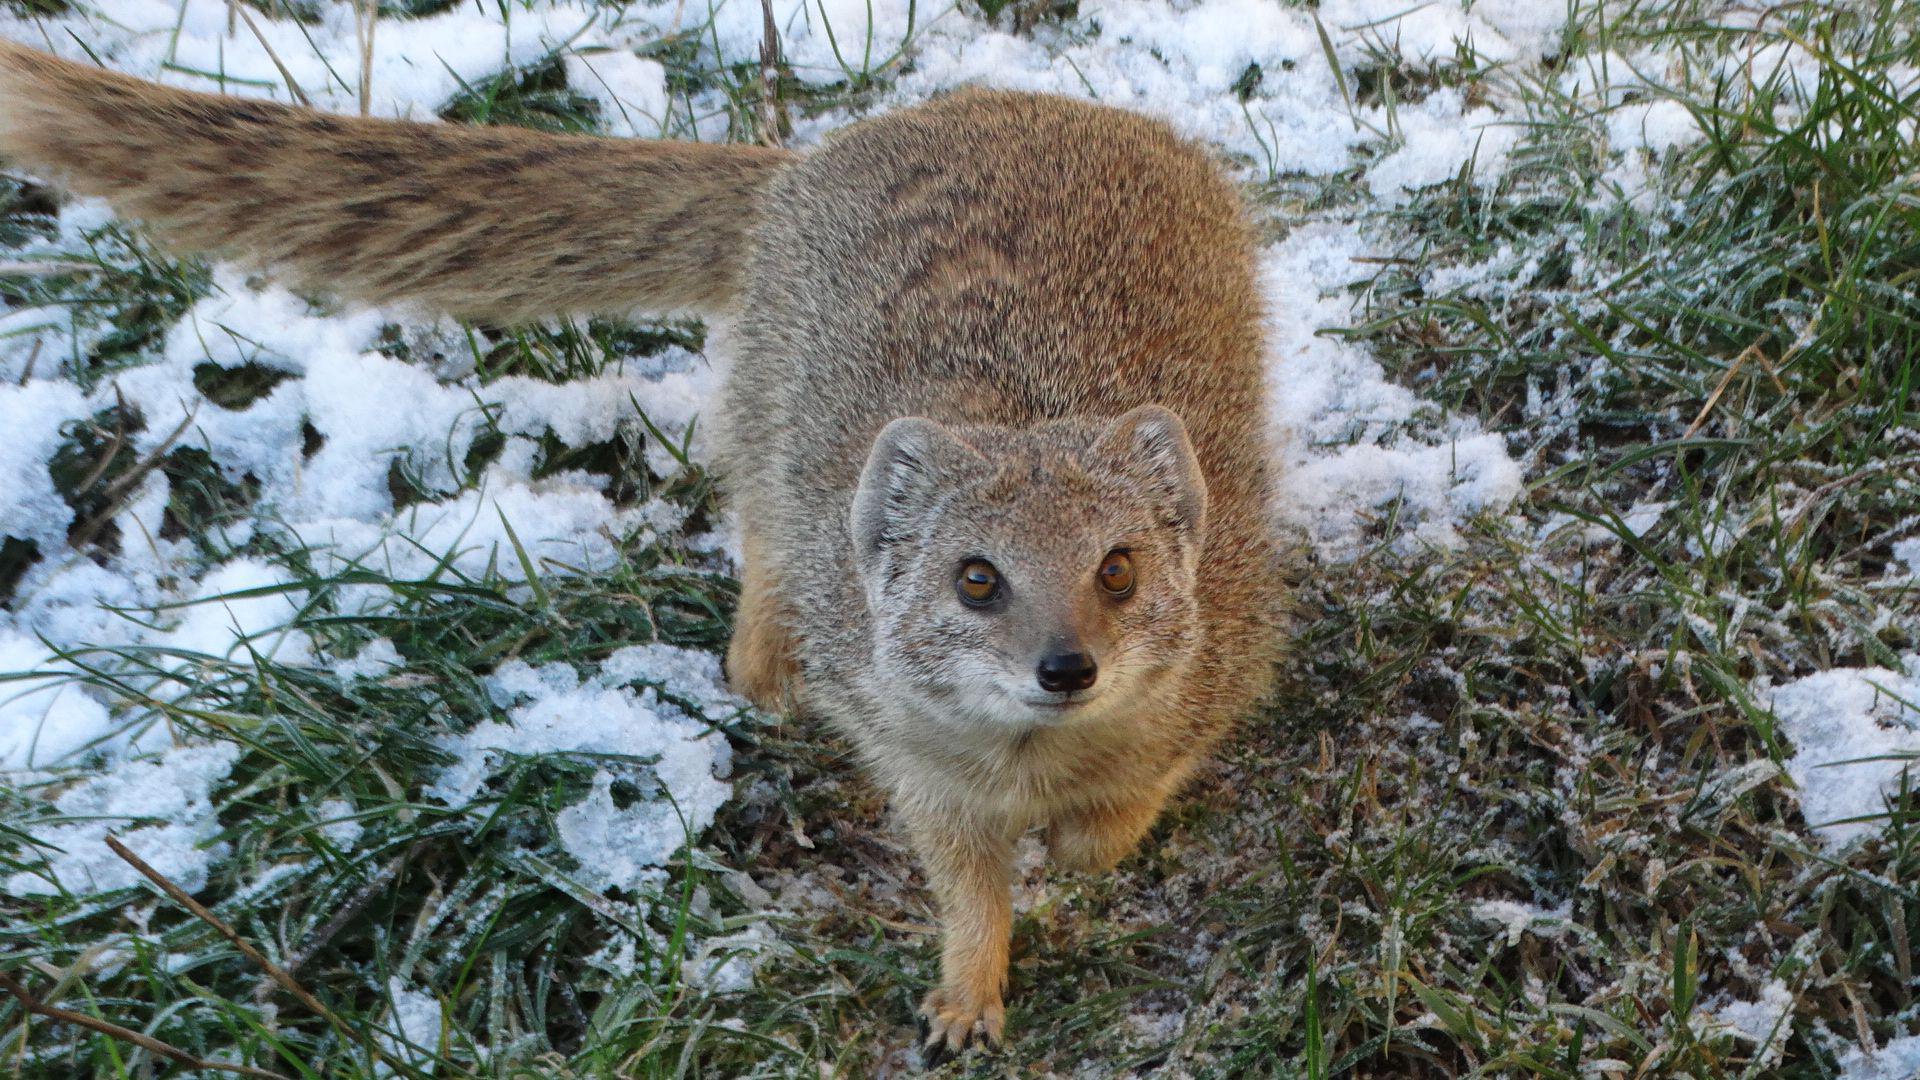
949, 1023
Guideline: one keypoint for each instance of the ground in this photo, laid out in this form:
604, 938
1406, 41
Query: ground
394, 642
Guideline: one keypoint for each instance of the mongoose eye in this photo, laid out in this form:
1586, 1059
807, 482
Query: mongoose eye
1116, 574
979, 583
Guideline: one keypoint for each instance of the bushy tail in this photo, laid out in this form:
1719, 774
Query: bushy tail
488, 223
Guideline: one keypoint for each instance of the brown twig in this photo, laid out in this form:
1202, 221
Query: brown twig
114, 1031
365, 14
200, 912
117, 492
293, 87
33, 358
286, 981
771, 107
354, 905
1720, 388
113, 448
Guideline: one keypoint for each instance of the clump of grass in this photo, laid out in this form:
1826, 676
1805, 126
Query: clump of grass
236, 387
1728, 360
534, 97
572, 350
471, 902
122, 293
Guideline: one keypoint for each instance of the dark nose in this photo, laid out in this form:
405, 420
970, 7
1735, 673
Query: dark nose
1067, 671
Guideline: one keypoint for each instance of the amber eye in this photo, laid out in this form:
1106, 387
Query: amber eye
1116, 574
979, 583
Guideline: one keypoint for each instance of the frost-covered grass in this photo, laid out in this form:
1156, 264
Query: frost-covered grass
395, 643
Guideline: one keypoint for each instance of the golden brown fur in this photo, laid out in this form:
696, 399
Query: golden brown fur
492, 223
1021, 270
997, 325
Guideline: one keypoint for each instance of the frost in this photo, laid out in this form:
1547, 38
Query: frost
1515, 919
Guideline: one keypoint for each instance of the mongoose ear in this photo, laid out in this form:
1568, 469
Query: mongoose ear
913, 459
1153, 441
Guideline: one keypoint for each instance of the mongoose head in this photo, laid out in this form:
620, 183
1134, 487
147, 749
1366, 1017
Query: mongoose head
1031, 577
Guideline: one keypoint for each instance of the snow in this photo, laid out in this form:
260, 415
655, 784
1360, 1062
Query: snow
1658, 126
631, 92
1907, 553
1444, 138
615, 845
46, 719
1765, 1022
32, 416
1899, 1059
417, 64
157, 806
1515, 919
561, 525
1836, 721
592, 409
1349, 437
241, 611
415, 1024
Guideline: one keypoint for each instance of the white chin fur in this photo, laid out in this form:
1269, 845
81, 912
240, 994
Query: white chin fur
1003, 705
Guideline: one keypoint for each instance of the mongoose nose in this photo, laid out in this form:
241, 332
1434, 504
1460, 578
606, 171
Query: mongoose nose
1067, 671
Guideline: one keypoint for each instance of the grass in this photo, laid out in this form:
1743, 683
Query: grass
1711, 380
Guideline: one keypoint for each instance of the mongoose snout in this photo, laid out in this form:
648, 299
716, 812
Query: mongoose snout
1066, 672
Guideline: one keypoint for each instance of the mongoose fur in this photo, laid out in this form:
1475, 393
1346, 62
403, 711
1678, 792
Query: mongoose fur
998, 330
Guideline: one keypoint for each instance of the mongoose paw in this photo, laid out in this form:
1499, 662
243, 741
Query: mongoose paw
951, 1022
770, 681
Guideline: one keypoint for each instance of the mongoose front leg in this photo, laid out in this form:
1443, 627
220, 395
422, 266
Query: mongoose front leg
968, 863
1093, 839
760, 657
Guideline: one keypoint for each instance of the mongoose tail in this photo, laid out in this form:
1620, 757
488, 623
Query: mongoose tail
487, 223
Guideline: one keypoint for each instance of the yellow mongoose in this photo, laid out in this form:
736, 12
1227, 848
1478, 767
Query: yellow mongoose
994, 432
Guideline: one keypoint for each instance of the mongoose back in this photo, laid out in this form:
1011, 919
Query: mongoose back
994, 430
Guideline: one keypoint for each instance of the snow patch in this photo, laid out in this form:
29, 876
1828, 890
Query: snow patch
414, 1022
46, 718
1898, 1060
670, 768
1763, 1022
240, 611
1516, 919
1356, 446
1855, 733
32, 416
1445, 139
159, 807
